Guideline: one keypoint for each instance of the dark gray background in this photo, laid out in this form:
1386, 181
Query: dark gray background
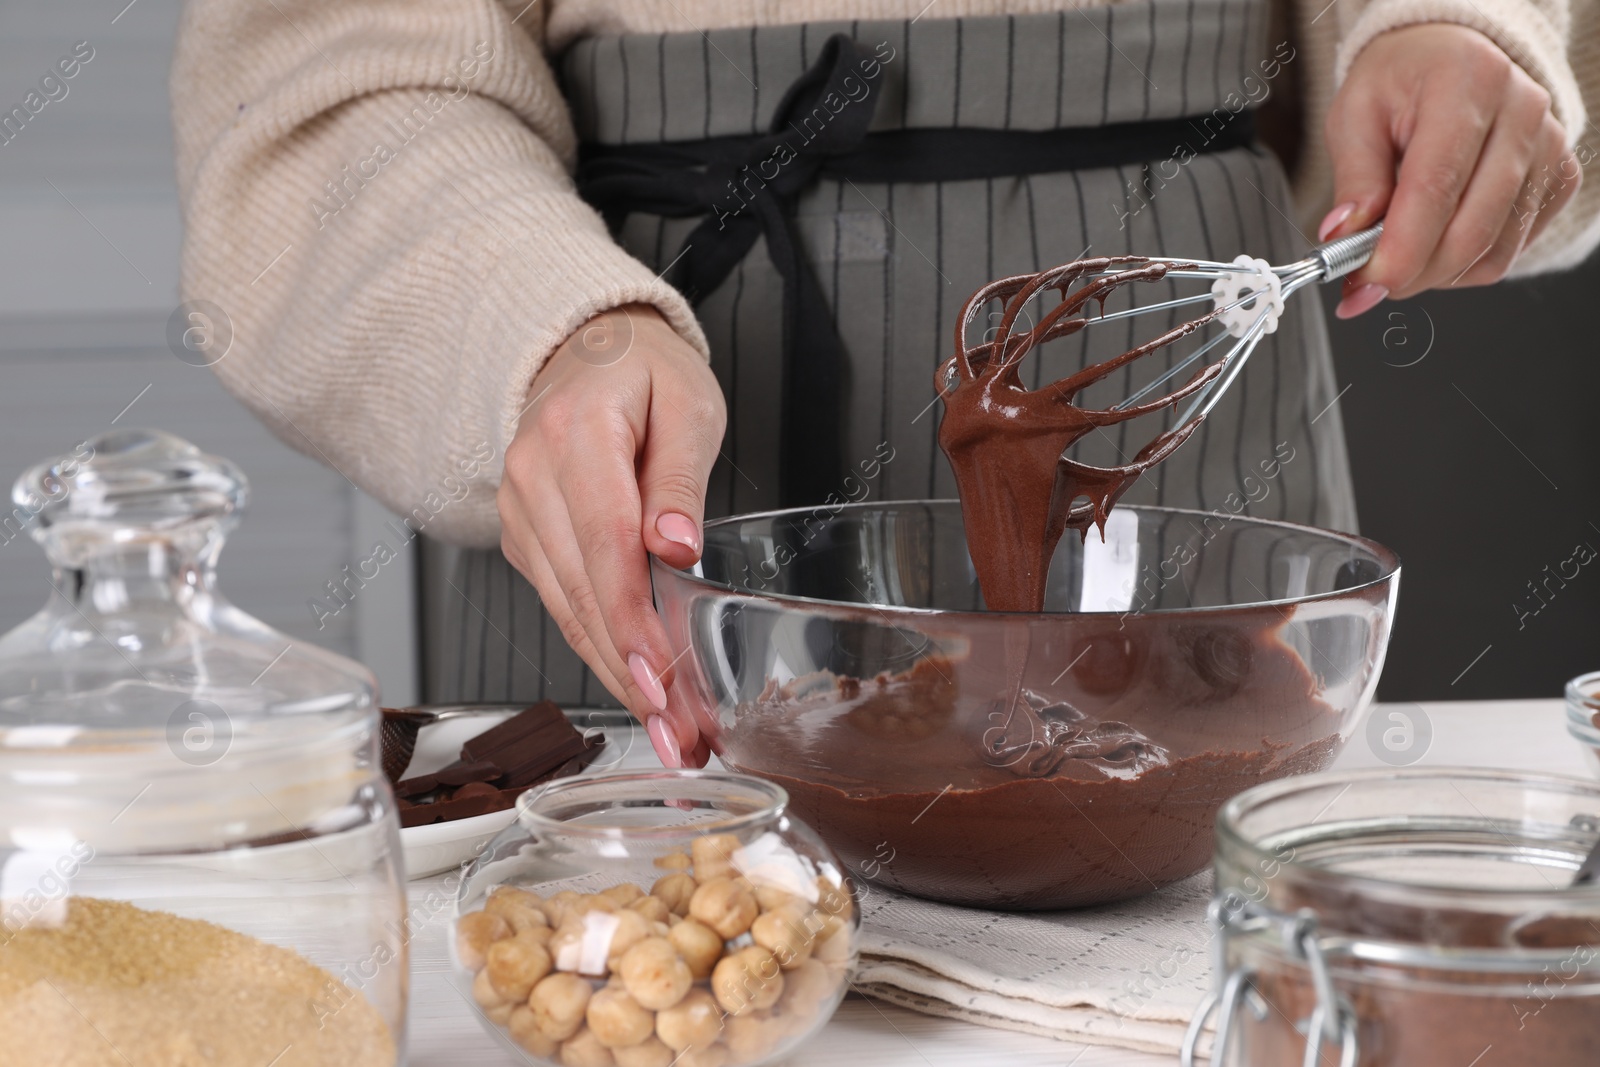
1479, 465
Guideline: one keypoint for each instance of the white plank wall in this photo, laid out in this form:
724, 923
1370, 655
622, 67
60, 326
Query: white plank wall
89, 238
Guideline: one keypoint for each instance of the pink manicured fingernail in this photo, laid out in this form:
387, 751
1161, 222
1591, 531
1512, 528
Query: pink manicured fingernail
1361, 300
679, 528
663, 742
1330, 222
648, 682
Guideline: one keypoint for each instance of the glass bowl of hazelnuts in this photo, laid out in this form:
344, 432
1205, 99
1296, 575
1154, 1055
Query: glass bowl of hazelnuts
655, 919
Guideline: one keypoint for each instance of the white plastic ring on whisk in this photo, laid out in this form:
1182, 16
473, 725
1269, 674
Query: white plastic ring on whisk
1234, 286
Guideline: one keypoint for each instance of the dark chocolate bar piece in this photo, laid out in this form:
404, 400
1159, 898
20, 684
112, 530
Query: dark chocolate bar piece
450, 810
415, 787
528, 746
534, 746
513, 729
461, 772
457, 773
535, 756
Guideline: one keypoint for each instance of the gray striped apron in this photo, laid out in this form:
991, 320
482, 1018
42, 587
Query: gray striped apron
897, 260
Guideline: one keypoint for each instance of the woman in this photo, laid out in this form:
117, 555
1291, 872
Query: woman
379, 194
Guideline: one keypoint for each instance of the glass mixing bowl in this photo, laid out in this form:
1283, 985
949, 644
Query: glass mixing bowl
1027, 761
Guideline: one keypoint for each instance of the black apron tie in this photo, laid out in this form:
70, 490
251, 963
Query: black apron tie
749, 186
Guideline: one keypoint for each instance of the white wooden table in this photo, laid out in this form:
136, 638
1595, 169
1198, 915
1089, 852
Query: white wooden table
1522, 734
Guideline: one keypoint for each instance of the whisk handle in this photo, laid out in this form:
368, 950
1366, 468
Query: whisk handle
1344, 254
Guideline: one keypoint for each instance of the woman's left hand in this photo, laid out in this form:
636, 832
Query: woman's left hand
1440, 134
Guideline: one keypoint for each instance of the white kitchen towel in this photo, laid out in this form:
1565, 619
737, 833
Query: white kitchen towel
1129, 974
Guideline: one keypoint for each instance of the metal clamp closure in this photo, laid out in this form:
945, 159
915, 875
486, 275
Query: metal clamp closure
1332, 1021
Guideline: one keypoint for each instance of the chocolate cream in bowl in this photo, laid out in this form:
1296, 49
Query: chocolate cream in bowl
1031, 760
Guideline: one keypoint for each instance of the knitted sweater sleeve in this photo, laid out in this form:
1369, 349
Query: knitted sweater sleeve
377, 204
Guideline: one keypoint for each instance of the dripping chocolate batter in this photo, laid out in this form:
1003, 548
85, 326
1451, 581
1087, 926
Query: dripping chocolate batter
1007, 443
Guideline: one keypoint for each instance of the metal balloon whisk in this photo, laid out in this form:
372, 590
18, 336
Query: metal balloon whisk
1246, 298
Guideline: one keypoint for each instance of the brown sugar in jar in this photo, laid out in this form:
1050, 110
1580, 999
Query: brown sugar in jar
1406, 918
112, 984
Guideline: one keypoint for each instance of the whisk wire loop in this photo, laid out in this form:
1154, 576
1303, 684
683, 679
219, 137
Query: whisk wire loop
1246, 297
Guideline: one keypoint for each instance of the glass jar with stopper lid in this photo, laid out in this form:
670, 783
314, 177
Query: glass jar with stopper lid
199, 857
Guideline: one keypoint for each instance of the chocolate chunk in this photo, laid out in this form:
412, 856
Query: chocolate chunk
529, 745
461, 773
534, 757
415, 787
523, 723
532, 747
418, 814
448, 810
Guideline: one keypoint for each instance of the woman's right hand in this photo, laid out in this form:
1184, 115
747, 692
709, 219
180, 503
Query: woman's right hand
610, 462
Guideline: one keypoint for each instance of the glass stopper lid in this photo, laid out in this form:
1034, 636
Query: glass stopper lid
135, 636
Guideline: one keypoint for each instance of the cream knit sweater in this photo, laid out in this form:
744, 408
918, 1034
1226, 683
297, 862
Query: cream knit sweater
393, 333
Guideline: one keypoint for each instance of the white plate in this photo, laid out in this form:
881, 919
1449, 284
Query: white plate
441, 846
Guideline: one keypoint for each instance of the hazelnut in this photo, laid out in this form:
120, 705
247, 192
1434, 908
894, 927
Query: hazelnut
784, 934
525, 920
771, 898
693, 1022
674, 890
653, 908
475, 932
559, 1002
655, 974
539, 935
501, 1014
622, 894
648, 1053
746, 980
698, 944
593, 902
806, 987
514, 965
583, 1049
713, 856
752, 1036
673, 861
631, 929
484, 992
617, 1020
525, 1031
506, 896
555, 909
832, 898
724, 905
832, 943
